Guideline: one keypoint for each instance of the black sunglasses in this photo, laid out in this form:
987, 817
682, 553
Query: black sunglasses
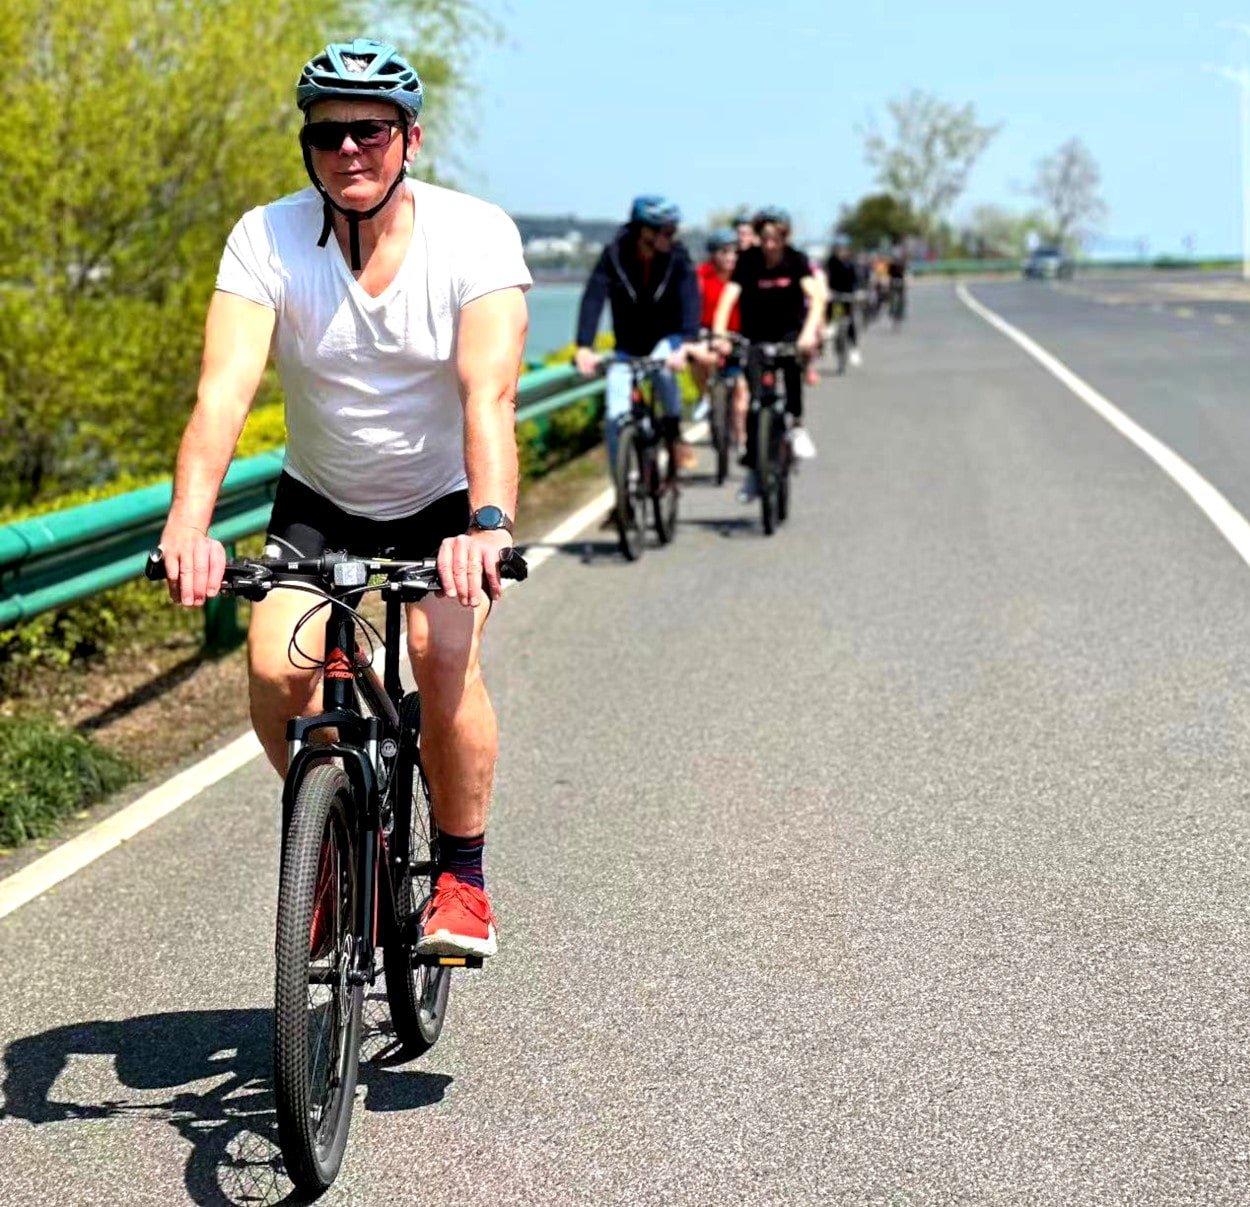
369, 134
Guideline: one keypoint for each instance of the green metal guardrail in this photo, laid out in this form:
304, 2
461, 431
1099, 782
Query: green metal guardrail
52, 560
927, 268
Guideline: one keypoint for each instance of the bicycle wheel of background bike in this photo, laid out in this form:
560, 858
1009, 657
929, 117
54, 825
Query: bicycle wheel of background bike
718, 420
840, 346
663, 491
417, 996
765, 476
784, 463
316, 1008
631, 494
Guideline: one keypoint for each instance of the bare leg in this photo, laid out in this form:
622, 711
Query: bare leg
741, 402
277, 690
459, 736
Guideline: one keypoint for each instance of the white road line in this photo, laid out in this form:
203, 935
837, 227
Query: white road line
40, 875
1231, 524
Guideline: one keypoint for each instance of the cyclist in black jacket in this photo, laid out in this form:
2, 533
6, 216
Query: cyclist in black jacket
647, 278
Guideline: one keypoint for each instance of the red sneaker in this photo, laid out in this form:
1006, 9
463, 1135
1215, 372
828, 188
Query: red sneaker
458, 921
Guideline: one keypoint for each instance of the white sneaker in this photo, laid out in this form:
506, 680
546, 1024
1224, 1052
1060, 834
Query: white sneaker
702, 409
749, 491
801, 444
856, 359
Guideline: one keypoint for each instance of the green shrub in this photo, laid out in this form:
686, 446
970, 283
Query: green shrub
48, 774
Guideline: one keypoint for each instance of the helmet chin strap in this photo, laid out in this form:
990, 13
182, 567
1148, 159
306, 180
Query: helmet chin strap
354, 217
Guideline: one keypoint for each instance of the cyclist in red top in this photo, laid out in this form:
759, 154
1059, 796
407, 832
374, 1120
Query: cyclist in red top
714, 274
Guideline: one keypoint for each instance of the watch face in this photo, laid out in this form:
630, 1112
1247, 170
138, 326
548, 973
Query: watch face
489, 517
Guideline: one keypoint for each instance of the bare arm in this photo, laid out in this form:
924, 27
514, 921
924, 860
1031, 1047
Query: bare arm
236, 349
489, 346
725, 306
815, 292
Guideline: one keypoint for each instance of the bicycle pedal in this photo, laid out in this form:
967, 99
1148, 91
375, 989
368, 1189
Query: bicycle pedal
439, 961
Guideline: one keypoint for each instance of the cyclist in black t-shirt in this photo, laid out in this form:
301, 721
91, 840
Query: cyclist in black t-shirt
780, 301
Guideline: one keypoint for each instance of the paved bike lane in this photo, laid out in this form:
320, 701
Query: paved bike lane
900, 858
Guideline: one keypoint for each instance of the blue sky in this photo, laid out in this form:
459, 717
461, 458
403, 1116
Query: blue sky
584, 105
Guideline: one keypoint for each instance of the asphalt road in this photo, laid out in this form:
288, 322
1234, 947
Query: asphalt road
899, 859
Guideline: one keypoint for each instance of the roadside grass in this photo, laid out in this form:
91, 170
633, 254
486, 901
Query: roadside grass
49, 774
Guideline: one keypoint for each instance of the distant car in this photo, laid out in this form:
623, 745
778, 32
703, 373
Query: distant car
1048, 262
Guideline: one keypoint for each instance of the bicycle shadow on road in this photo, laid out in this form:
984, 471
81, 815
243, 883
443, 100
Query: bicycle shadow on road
166, 1059
726, 526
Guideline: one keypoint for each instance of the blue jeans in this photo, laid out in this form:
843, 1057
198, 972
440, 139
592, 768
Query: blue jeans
619, 387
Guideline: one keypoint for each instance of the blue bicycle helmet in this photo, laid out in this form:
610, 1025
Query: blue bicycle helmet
725, 237
654, 210
741, 218
360, 70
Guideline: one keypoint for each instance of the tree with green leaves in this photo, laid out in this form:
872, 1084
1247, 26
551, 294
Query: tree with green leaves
927, 158
995, 232
880, 218
132, 144
1067, 185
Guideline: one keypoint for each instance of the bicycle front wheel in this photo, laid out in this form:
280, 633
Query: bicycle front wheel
765, 467
718, 398
317, 1002
417, 995
631, 494
662, 473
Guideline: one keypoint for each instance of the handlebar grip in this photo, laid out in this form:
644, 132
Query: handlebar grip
154, 567
513, 565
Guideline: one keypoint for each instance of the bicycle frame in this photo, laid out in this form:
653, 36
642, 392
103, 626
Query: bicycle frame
369, 748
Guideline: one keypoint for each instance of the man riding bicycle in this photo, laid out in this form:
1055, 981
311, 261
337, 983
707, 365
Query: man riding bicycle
781, 302
843, 278
714, 274
646, 277
396, 316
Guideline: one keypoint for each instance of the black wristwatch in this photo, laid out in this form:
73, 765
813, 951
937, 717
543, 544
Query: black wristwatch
490, 519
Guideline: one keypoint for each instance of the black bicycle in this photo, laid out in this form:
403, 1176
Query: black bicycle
841, 314
897, 301
720, 401
358, 852
645, 472
774, 461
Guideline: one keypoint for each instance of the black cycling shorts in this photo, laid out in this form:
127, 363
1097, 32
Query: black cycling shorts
306, 524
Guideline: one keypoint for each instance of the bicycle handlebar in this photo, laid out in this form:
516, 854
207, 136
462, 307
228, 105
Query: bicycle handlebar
254, 578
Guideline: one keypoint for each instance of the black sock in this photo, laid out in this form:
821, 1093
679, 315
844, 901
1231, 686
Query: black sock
462, 857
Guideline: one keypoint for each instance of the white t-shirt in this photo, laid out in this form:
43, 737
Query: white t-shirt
373, 413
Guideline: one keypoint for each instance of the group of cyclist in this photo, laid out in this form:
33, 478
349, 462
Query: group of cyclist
754, 285
394, 313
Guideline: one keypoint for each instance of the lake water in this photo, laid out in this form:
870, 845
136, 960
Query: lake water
553, 317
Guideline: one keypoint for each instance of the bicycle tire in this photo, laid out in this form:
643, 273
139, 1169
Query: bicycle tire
318, 869
417, 995
718, 397
662, 479
840, 346
764, 469
631, 494
785, 464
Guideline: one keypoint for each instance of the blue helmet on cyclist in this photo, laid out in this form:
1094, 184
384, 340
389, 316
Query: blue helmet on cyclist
654, 210
360, 70
719, 239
